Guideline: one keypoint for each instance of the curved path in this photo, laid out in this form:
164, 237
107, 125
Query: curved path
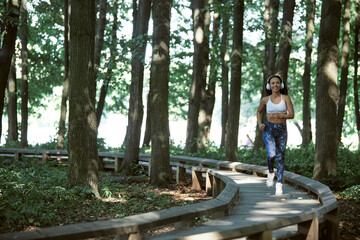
242, 205
256, 205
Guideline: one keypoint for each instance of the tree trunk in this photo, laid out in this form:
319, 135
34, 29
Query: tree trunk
160, 170
203, 110
197, 76
12, 104
99, 37
282, 63
24, 75
271, 24
147, 135
344, 70
356, 59
235, 88
7, 49
110, 66
65, 90
306, 78
136, 111
224, 77
327, 95
83, 153
99, 40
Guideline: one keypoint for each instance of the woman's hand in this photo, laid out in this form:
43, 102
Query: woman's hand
261, 126
276, 115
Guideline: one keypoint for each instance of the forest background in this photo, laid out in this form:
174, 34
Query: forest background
46, 73
37, 84
122, 65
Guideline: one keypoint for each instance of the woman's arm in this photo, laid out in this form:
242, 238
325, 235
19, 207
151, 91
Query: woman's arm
258, 113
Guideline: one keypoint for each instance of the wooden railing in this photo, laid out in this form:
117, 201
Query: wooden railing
214, 176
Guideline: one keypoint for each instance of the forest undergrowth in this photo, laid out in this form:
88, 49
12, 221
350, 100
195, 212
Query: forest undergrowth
34, 195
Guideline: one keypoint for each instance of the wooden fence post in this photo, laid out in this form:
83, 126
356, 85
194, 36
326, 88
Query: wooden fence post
17, 156
332, 225
196, 180
310, 229
45, 157
208, 184
180, 175
216, 187
266, 235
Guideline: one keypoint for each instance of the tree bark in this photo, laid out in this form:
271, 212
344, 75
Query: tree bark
99, 37
282, 63
136, 111
197, 76
99, 40
7, 48
224, 77
356, 59
271, 24
65, 90
110, 66
82, 132
160, 170
147, 135
327, 96
206, 90
12, 104
344, 70
24, 75
306, 78
235, 88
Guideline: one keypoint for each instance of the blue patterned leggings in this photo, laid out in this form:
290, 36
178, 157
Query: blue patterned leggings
275, 137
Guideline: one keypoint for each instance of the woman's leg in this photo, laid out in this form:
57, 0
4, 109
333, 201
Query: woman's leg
270, 144
281, 140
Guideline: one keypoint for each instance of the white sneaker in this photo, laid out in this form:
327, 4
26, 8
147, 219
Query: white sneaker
270, 179
279, 190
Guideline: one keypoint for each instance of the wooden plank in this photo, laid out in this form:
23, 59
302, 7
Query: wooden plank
309, 229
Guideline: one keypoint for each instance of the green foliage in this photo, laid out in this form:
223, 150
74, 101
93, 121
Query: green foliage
36, 195
351, 193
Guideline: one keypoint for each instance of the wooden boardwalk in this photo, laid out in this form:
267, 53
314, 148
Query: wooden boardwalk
251, 209
257, 205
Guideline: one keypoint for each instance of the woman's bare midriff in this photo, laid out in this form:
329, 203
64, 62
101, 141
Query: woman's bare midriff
271, 117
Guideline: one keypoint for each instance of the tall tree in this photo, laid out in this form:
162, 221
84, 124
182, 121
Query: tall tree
344, 69
111, 64
206, 89
99, 36
235, 88
224, 75
65, 90
82, 131
197, 75
327, 95
356, 59
99, 40
24, 75
7, 46
160, 170
282, 63
12, 103
306, 78
136, 111
271, 24
147, 134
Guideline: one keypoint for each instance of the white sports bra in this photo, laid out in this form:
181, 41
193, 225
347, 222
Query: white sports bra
276, 108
